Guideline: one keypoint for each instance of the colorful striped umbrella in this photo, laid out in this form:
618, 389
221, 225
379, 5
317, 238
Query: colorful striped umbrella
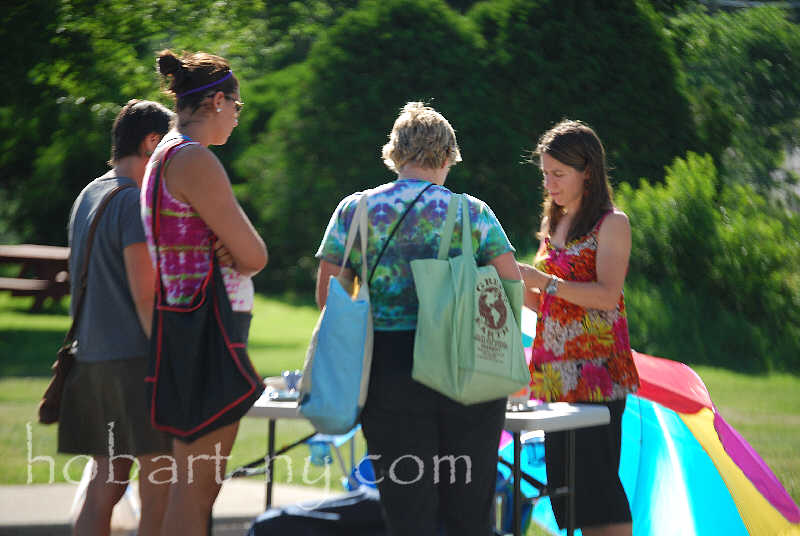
685, 470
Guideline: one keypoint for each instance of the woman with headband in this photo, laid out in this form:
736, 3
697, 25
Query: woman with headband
196, 204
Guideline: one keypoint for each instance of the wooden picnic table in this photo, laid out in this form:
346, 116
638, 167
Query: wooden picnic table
44, 272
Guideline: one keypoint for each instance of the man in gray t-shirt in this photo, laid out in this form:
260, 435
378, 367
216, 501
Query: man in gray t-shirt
108, 301
104, 410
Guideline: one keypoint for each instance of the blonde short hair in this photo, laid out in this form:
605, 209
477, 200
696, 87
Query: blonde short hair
420, 136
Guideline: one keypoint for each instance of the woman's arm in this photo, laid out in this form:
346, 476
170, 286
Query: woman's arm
531, 298
613, 254
141, 280
506, 266
197, 177
532, 294
324, 273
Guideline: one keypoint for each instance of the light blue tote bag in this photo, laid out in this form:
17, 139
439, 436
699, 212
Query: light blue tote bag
333, 389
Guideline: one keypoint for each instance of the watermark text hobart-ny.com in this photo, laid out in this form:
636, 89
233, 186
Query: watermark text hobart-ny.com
168, 472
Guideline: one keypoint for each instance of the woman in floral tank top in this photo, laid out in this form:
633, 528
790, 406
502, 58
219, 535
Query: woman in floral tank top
581, 352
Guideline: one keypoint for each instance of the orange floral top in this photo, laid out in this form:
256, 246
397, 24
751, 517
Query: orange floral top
579, 354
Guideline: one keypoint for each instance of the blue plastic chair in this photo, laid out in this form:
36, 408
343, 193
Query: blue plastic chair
320, 446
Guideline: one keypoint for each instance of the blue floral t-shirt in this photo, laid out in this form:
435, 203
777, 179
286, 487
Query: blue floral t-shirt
392, 291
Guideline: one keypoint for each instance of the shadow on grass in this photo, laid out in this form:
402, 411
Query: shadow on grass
298, 299
23, 306
29, 352
29, 341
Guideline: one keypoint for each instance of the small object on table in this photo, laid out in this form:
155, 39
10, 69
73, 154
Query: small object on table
522, 405
292, 379
277, 390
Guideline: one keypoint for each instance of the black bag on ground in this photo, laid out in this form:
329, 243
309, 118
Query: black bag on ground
200, 377
357, 513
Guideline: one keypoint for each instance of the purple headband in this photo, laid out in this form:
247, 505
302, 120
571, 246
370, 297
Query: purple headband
201, 88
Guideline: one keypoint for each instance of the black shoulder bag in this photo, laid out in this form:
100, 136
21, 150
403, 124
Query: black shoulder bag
200, 377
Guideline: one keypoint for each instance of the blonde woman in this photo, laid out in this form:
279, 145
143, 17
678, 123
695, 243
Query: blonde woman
434, 459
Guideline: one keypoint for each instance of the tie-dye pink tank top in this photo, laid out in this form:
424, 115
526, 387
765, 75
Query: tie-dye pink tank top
184, 241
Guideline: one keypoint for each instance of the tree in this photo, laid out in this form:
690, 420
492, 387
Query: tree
338, 107
499, 77
72, 64
606, 63
743, 69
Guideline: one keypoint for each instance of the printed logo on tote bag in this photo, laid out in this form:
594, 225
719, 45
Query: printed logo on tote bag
491, 323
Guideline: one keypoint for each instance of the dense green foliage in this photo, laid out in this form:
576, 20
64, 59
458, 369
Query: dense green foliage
82, 60
323, 81
503, 74
743, 69
550, 60
72, 64
714, 270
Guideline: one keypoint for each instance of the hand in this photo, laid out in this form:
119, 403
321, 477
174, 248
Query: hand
532, 277
223, 255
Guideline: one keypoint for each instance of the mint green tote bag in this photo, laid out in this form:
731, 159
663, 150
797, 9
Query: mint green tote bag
468, 344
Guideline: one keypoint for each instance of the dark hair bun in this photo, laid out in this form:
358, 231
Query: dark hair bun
170, 64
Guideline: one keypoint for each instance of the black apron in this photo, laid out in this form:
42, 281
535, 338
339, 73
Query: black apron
200, 377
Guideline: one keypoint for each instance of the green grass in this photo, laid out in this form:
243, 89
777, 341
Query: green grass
765, 409
278, 338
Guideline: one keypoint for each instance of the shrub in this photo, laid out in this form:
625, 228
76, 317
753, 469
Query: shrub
743, 71
606, 63
324, 142
496, 74
723, 263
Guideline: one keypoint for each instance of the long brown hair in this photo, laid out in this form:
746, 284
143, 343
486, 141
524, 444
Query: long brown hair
575, 144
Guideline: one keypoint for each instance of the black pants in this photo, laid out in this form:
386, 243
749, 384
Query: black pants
599, 496
435, 460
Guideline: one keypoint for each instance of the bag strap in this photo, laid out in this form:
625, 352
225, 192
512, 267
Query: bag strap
84, 276
357, 225
449, 225
155, 215
391, 234
466, 229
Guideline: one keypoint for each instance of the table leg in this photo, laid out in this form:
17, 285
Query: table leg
571, 482
38, 301
270, 460
517, 514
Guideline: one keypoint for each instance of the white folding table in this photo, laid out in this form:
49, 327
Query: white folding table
553, 417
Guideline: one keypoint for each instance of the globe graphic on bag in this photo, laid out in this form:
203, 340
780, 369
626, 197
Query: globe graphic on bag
491, 307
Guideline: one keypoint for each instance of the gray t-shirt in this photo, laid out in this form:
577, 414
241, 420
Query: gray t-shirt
109, 327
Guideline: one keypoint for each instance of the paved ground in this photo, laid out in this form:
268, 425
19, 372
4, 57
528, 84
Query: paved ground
45, 510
